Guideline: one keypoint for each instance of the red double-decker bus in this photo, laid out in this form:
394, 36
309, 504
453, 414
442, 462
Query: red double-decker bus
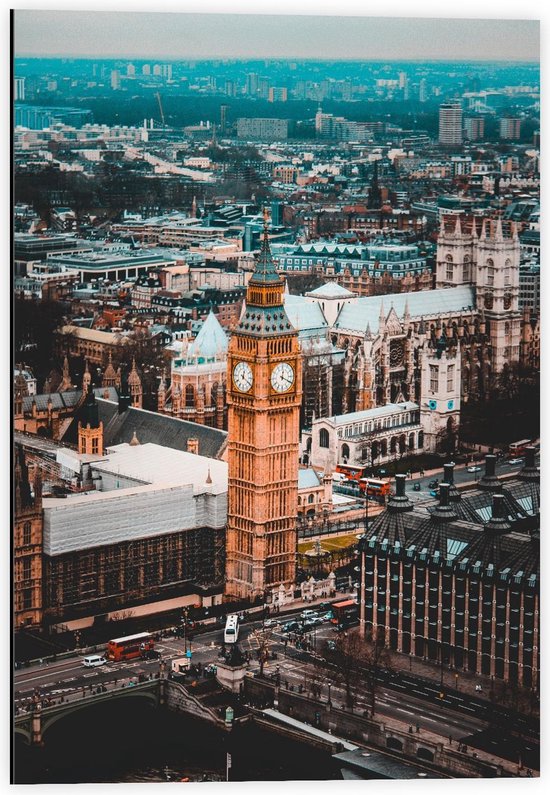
129, 647
374, 487
345, 614
352, 472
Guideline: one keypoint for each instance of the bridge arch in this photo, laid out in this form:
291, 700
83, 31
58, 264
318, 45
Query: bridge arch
70, 707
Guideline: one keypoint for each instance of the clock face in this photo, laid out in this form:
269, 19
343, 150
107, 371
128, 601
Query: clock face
243, 377
282, 377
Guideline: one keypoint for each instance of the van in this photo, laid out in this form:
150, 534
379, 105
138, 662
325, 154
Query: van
94, 660
308, 614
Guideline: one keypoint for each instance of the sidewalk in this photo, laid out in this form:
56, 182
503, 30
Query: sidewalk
510, 768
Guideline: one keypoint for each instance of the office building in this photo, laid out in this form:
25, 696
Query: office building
450, 124
510, 129
474, 128
262, 129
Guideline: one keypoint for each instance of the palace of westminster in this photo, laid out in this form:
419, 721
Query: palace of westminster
248, 411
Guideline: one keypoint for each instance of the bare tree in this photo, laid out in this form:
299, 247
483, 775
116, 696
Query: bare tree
377, 659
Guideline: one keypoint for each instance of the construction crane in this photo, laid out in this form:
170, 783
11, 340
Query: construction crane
160, 108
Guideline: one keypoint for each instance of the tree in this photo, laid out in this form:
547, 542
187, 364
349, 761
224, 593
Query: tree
348, 658
377, 660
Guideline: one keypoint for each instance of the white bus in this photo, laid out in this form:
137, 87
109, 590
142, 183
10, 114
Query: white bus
231, 632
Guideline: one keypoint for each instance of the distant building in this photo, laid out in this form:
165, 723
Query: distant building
277, 94
38, 117
262, 129
529, 286
474, 128
450, 124
510, 129
115, 80
18, 88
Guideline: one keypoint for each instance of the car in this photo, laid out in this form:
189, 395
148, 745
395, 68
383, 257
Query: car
433, 493
93, 660
474, 469
514, 461
416, 487
331, 645
150, 654
325, 606
433, 484
291, 626
270, 622
318, 620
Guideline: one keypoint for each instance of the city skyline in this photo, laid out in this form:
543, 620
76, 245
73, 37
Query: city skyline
244, 36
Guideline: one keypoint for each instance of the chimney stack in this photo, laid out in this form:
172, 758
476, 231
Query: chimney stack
193, 445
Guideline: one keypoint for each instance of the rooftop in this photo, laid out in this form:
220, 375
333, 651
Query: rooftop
372, 414
154, 464
331, 290
427, 303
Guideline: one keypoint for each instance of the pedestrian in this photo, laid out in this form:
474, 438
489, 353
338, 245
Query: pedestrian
417, 728
450, 740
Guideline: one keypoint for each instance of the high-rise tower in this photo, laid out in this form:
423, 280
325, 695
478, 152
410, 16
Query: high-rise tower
263, 395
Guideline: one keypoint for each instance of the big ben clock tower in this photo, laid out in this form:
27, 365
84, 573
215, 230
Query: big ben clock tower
263, 396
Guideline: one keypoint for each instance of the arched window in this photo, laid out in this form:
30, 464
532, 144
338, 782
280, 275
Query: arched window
466, 269
308, 444
374, 450
323, 438
345, 453
393, 444
384, 447
490, 273
299, 500
449, 268
214, 393
402, 444
189, 396
411, 441
311, 499
26, 533
420, 439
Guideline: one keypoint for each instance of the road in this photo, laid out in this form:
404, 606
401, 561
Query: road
404, 697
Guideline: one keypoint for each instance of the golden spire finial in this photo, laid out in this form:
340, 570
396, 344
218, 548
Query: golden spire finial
266, 216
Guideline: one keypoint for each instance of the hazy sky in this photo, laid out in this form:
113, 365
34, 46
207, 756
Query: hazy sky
168, 35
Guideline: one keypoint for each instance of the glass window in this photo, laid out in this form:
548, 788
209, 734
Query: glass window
26, 533
450, 378
434, 378
323, 438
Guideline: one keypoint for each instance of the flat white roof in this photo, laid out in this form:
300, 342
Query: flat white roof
155, 464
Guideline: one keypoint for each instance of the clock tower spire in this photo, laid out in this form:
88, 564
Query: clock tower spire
263, 396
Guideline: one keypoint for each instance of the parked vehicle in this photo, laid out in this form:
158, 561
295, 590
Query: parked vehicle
514, 461
416, 487
307, 614
433, 484
474, 469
